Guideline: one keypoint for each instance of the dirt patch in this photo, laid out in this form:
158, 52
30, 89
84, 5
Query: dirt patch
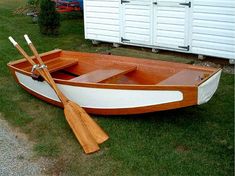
181, 149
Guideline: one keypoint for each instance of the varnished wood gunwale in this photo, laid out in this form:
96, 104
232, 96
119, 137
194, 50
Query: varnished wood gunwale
151, 64
47, 55
114, 86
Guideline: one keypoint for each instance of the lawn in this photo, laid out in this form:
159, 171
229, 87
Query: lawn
189, 141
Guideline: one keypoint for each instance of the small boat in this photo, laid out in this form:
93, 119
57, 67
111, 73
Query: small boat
111, 85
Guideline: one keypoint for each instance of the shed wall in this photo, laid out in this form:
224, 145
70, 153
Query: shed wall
102, 21
213, 28
210, 31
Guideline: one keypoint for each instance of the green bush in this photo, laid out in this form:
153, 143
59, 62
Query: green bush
49, 18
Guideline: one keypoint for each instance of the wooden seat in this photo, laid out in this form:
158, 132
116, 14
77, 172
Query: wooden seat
104, 74
185, 77
57, 64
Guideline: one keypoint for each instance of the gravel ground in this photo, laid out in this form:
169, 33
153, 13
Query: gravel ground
16, 154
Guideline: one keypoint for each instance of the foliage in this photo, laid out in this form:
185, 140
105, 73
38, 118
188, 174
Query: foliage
49, 18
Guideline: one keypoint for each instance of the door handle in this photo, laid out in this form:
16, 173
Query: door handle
155, 3
186, 4
124, 1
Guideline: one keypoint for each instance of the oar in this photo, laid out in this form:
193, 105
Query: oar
99, 135
81, 132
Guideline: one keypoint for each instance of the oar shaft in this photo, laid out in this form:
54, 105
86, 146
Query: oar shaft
45, 70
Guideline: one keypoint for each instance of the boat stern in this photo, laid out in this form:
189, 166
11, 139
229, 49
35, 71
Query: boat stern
207, 89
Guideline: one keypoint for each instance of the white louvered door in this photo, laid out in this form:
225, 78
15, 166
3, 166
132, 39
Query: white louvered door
137, 21
156, 23
171, 24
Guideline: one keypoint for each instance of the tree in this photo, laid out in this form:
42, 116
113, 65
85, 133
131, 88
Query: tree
49, 18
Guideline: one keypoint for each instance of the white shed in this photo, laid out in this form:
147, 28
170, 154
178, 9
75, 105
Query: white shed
204, 27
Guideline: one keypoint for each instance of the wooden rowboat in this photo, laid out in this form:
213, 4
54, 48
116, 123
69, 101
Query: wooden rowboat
107, 84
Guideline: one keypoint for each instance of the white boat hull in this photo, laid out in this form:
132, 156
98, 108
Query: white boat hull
207, 89
102, 98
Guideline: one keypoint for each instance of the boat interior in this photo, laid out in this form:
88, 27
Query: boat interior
109, 69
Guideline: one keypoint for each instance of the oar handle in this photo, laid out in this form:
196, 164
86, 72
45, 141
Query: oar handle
30, 43
26, 56
12, 41
27, 39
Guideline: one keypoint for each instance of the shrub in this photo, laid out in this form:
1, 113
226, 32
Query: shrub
49, 19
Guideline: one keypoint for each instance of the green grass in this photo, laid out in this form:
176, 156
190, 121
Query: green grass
190, 141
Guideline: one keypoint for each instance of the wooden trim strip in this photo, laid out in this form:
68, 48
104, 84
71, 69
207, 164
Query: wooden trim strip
55, 51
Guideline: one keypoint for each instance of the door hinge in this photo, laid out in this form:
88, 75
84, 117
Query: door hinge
124, 1
186, 4
184, 47
124, 40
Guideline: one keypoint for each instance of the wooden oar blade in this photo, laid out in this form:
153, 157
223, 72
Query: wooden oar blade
80, 130
97, 132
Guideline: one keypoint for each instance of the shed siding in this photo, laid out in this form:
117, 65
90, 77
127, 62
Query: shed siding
102, 20
208, 27
137, 21
213, 28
